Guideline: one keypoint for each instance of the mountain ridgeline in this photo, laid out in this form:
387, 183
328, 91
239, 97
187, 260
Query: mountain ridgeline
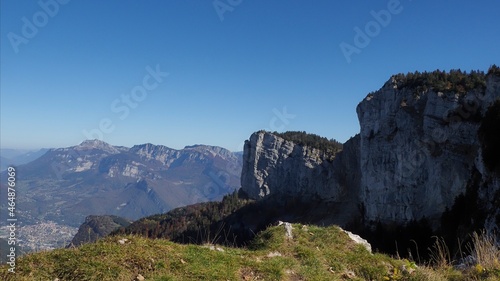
66, 185
424, 163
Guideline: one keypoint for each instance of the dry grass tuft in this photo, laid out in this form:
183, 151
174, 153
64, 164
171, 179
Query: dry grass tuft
485, 250
440, 254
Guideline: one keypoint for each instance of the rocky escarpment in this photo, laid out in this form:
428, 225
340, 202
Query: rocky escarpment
418, 150
274, 166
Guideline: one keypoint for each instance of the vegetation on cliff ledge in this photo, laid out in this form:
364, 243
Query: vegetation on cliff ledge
311, 140
456, 81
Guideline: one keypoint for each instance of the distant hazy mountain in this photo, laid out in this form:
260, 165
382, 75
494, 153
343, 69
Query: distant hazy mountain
11, 153
66, 185
18, 156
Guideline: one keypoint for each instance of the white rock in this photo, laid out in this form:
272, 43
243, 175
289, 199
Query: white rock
358, 240
274, 254
214, 248
288, 230
123, 241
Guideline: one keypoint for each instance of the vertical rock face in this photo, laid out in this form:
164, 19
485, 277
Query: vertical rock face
416, 152
275, 166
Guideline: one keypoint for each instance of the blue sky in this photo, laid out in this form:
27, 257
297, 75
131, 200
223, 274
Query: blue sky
234, 67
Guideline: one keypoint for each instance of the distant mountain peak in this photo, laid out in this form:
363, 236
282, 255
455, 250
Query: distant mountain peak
97, 144
94, 142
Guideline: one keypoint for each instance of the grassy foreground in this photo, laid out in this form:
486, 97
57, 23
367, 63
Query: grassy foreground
314, 253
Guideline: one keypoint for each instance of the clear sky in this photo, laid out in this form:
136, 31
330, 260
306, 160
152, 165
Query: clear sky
234, 66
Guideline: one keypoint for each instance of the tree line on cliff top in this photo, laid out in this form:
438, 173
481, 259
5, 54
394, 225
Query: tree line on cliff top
455, 80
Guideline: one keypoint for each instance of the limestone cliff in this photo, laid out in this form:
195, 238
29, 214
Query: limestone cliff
418, 149
274, 166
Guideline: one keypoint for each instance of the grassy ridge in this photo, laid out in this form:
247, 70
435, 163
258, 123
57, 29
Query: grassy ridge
314, 253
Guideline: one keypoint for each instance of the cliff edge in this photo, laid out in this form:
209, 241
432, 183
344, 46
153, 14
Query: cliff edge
419, 149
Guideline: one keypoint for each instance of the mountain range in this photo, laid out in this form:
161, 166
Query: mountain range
65, 185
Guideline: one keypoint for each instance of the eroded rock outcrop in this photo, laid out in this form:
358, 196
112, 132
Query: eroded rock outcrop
96, 227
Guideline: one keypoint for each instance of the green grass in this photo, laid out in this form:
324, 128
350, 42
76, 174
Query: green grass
314, 253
